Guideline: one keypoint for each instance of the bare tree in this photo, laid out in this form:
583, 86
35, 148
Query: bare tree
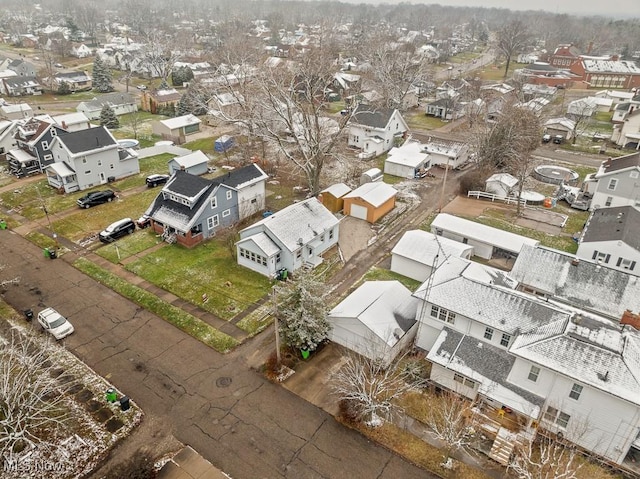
449, 417
159, 54
372, 387
31, 396
545, 458
511, 38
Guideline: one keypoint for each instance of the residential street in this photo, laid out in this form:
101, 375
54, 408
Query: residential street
227, 411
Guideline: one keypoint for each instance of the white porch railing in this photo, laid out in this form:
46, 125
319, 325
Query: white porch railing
493, 197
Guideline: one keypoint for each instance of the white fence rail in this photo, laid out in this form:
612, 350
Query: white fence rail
493, 197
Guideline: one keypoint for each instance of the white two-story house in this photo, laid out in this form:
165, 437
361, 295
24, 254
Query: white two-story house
374, 130
533, 359
616, 183
86, 158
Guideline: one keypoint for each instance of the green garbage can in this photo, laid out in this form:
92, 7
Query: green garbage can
305, 353
47, 253
3, 225
111, 395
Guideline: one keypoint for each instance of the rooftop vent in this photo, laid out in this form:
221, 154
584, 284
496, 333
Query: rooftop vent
603, 377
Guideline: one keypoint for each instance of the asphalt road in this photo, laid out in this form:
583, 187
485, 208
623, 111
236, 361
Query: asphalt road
216, 403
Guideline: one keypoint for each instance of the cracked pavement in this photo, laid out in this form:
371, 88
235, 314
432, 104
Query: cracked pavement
242, 423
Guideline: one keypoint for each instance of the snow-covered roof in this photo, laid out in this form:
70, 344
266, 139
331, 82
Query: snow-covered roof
486, 364
71, 118
180, 121
483, 233
448, 148
263, 242
611, 66
338, 190
21, 155
297, 224
581, 283
504, 178
15, 108
410, 154
384, 307
423, 247
568, 124
61, 169
375, 193
192, 159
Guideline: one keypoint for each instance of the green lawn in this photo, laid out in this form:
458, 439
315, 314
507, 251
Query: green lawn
129, 246
182, 320
93, 220
495, 73
381, 274
206, 145
153, 164
209, 269
420, 121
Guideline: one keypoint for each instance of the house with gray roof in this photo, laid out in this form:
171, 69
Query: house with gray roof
77, 81
86, 158
538, 361
291, 238
121, 104
20, 86
374, 130
615, 183
611, 237
191, 209
377, 320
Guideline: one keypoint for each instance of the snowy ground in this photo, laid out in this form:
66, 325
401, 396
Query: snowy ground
94, 425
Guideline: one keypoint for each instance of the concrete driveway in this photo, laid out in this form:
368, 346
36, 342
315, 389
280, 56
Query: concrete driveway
218, 404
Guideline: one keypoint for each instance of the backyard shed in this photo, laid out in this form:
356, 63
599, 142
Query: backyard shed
377, 320
176, 129
224, 143
370, 201
194, 163
406, 161
369, 176
500, 184
487, 242
332, 197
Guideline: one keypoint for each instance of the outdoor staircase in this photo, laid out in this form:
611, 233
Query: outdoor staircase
169, 236
503, 446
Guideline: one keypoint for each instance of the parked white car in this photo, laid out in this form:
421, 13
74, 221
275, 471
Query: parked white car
54, 323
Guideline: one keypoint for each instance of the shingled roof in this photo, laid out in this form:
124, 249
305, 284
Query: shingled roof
372, 116
86, 140
621, 223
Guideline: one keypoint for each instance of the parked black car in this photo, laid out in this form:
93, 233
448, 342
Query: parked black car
155, 180
96, 198
117, 230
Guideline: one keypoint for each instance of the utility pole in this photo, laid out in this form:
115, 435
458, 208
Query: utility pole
444, 182
275, 322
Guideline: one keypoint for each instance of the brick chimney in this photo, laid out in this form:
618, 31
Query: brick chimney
631, 319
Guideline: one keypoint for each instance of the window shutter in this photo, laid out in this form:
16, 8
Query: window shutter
595, 255
606, 260
633, 265
619, 261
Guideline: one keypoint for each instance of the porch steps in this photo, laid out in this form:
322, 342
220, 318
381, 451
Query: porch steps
503, 446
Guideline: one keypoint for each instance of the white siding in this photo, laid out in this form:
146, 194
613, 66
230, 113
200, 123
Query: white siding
409, 268
444, 377
618, 250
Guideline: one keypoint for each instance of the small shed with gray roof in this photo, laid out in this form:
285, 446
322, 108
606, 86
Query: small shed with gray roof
195, 163
377, 320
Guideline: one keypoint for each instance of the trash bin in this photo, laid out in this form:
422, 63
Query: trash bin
111, 395
53, 254
47, 253
305, 353
3, 225
124, 403
28, 313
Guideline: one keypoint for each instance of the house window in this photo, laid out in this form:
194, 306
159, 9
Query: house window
459, 378
488, 333
214, 203
47, 157
229, 194
254, 200
299, 254
84, 159
331, 234
226, 213
213, 221
576, 390
88, 172
45, 145
626, 264
443, 314
322, 238
608, 201
251, 256
99, 162
278, 257
534, 372
53, 132
505, 339
112, 166
601, 257
613, 182
552, 415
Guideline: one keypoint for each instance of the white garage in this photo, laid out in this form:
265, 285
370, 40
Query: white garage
377, 320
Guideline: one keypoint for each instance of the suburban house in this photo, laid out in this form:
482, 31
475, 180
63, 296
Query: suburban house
20, 86
120, 103
377, 320
86, 158
32, 154
191, 209
407, 161
501, 184
291, 238
374, 130
72, 121
77, 81
7, 140
615, 183
611, 237
447, 153
586, 107
419, 252
159, 101
333, 197
371, 201
15, 111
23, 68
627, 133
560, 126
81, 51
176, 129
487, 242
446, 108
531, 362
625, 108
195, 163
224, 106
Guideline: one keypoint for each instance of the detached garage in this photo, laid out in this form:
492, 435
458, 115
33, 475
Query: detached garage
371, 201
377, 320
195, 163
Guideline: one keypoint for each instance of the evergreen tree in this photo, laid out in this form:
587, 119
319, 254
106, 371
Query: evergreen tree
182, 75
64, 88
108, 117
101, 77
